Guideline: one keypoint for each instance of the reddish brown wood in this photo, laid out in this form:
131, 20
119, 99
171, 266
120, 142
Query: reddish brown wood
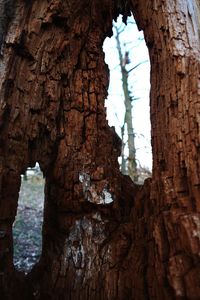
53, 81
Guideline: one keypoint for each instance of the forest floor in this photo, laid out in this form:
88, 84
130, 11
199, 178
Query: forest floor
28, 223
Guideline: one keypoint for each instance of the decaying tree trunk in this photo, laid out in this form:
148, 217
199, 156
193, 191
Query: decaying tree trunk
103, 237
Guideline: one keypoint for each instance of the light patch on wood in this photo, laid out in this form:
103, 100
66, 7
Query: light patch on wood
91, 193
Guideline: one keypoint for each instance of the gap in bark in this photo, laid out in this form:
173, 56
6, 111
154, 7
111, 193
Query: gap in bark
27, 235
127, 57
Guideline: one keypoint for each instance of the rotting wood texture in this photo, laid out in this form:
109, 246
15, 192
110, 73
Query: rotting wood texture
103, 237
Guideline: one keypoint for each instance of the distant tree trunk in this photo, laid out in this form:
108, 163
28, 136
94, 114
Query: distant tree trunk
128, 120
103, 237
123, 162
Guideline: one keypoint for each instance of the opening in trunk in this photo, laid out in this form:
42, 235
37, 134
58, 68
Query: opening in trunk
27, 227
127, 104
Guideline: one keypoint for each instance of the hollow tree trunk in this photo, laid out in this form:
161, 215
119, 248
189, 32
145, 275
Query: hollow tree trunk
103, 237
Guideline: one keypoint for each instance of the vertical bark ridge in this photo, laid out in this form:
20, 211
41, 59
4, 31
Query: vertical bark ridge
173, 41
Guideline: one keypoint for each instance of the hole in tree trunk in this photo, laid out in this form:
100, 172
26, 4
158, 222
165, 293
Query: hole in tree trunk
27, 227
127, 103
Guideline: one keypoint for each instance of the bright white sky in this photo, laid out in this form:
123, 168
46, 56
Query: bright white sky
139, 80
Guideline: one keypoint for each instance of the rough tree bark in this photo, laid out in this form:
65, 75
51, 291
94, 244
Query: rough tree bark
103, 237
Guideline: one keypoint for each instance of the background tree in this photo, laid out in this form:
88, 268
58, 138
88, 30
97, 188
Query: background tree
132, 165
122, 44
97, 242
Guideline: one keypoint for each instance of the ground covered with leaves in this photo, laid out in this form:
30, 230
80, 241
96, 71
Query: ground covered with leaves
28, 224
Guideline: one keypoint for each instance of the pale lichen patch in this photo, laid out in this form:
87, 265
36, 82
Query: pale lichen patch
82, 247
91, 193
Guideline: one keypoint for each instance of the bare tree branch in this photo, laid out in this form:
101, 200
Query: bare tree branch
145, 61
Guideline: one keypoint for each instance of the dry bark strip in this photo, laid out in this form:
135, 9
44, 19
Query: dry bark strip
103, 237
